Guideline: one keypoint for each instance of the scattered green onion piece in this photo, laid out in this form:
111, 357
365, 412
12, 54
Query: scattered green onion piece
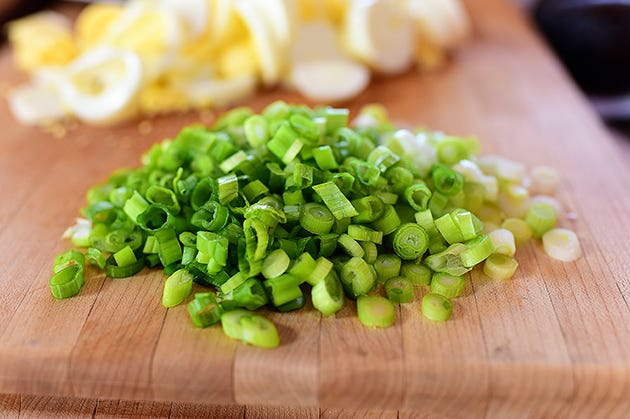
316, 218
418, 273
135, 205
478, 249
399, 290
562, 244
350, 245
498, 266
67, 282
250, 295
410, 241
388, 198
227, 188
159, 195
285, 144
72, 257
95, 257
322, 268
204, 310
125, 257
325, 158
305, 127
468, 224
363, 233
448, 260
231, 323
513, 200
401, 178
335, 119
177, 288
382, 158
438, 204
418, 196
387, 266
169, 248
449, 229
450, 150
283, 289
259, 331
370, 208
370, 251
256, 130
446, 180
520, 229
389, 221
450, 286
375, 311
436, 307
303, 267
356, 277
327, 294
275, 264
205, 190
112, 270
541, 217
335, 200
503, 241
255, 190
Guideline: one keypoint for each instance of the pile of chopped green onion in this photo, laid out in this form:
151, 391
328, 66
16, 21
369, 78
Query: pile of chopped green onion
265, 210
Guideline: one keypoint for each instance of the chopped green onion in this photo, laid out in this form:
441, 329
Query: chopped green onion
156, 194
316, 218
305, 127
503, 241
399, 290
418, 196
370, 208
478, 249
387, 266
562, 244
327, 294
417, 273
177, 288
67, 282
112, 270
283, 289
410, 241
227, 188
449, 260
541, 217
450, 286
436, 307
275, 264
250, 295
250, 328
446, 180
72, 257
256, 130
303, 267
375, 311
325, 158
520, 229
335, 200
125, 257
350, 245
95, 257
498, 266
370, 251
389, 221
363, 233
356, 277
204, 310
322, 269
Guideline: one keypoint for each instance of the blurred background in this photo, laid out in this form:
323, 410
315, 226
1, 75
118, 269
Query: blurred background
590, 37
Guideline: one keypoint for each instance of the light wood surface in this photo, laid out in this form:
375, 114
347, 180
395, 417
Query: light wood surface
553, 342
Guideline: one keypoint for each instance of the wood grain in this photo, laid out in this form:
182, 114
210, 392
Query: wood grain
552, 342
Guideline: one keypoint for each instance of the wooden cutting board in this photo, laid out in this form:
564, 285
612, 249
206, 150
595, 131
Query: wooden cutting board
554, 341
